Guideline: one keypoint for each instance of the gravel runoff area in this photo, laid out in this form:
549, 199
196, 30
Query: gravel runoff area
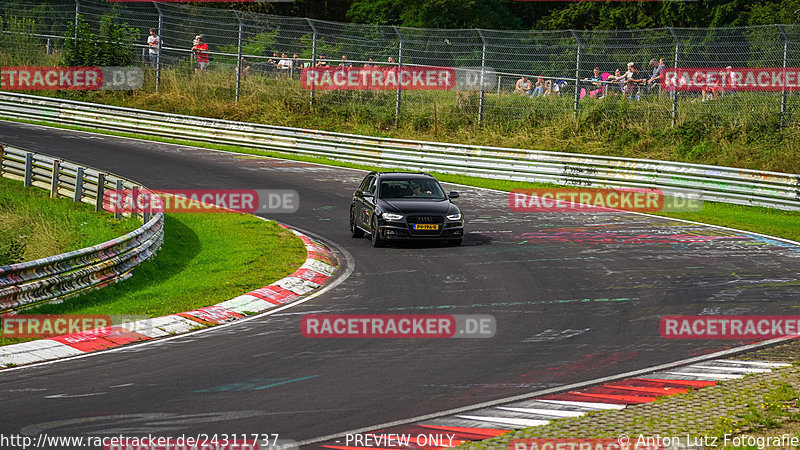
757, 411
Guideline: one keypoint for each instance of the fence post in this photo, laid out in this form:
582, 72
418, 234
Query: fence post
674, 93
54, 178
499, 77
483, 72
49, 48
785, 62
119, 188
239, 56
77, 14
313, 55
399, 68
160, 38
28, 169
577, 71
78, 197
101, 192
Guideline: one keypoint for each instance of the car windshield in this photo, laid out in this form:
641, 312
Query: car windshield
411, 189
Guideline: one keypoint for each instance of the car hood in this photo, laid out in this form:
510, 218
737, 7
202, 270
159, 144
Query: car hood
419, 206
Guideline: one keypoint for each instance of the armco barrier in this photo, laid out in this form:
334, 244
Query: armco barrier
713, 183
67, 274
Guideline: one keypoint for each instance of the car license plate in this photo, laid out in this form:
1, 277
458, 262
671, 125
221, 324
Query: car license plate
426, 226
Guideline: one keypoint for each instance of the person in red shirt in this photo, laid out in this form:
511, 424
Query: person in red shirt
200, 50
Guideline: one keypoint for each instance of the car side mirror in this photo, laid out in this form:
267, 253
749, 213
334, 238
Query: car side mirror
453, 194
368, 194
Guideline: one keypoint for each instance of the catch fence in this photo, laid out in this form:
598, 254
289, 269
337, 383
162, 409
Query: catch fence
488, 63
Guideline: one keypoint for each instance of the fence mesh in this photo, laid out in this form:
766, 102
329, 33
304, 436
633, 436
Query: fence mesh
556, 62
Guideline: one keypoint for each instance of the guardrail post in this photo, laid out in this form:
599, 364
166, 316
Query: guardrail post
313, 56
483, 72
577, 71
135, 199
2, 151
399, 68
78, 197
54, 178
158, 57
674, 94
119, 188
239, 56
101, 192
785, 62
28, 169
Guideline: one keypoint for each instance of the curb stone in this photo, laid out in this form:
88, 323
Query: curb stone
319, 266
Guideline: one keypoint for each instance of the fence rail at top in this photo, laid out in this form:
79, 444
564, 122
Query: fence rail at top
67, 274
713, 183
499, 56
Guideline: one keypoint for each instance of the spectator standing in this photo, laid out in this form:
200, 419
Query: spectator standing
153, 42
323, 61
658, 68
633, 79
524, 86
370, 64
200, 50
345, 62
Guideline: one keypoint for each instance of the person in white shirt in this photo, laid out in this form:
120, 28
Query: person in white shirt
285, 63
153, 43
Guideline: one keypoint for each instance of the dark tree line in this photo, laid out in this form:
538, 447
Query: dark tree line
539, 15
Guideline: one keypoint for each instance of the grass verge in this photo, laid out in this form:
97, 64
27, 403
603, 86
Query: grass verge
206, 258
34, 226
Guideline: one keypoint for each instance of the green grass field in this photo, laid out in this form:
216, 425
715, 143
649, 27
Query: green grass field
33, 226
206, 258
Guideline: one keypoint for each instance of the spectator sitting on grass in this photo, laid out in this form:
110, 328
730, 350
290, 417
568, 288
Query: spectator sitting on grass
285, 64
274, 60
524, 85
539, 89
245, 67
617, 81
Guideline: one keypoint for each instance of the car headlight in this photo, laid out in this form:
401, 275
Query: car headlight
391, 216
454, 216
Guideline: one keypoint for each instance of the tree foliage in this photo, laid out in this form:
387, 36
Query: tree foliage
111, 45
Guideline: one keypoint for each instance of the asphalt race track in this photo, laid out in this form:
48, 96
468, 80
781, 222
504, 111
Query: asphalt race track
576, 296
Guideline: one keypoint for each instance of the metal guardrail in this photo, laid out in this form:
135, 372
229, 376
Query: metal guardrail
65, 275
711, 183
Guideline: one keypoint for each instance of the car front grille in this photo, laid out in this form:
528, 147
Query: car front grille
425, 219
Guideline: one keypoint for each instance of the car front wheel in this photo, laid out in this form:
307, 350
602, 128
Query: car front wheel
376, 238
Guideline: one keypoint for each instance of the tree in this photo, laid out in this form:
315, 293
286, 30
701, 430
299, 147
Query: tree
112, 45
436, 13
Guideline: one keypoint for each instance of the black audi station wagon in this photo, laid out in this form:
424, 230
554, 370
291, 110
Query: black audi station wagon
402, 206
